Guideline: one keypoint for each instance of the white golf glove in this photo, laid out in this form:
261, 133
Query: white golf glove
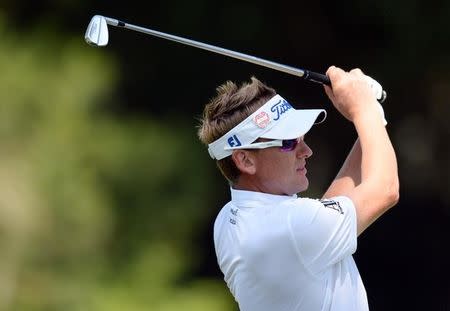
378, 91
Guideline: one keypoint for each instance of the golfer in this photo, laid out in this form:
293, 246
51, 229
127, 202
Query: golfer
279, 251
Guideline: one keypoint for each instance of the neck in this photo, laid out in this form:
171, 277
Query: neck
246, 183
250, 183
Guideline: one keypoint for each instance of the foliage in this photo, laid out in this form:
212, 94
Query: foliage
96, 212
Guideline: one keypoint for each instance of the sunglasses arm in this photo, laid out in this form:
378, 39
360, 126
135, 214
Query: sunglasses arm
260, 145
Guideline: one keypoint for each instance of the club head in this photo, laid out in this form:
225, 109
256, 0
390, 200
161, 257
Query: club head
97, 31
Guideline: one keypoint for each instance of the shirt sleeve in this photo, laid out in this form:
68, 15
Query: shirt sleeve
323, 231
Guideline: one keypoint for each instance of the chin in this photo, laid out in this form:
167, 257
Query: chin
297, 190
303, 187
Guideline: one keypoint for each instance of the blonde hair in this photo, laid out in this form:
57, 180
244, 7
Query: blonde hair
230, 106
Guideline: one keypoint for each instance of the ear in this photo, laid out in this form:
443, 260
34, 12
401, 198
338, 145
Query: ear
245, 161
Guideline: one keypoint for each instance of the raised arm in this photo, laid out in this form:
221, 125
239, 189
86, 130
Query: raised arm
369, 174
349, 176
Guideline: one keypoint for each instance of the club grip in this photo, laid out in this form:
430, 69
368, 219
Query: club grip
323, 79
316, 77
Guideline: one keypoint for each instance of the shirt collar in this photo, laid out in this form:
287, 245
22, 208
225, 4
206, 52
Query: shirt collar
244, 197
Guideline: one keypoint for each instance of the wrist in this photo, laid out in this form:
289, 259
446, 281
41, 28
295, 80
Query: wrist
381, 112
368, 116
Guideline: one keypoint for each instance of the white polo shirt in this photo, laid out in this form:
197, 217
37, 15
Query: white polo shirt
283, 253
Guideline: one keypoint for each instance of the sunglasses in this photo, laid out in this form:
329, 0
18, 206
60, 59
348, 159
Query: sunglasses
285, 145
289, 144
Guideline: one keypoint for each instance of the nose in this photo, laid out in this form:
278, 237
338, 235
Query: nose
303, 150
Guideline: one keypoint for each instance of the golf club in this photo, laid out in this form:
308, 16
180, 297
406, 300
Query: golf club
97, 35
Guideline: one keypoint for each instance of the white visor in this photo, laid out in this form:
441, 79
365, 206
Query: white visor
276, 119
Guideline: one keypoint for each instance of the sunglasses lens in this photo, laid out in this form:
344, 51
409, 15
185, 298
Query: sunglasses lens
289, 144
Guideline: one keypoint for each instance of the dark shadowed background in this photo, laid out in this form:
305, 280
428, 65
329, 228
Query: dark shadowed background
107, 198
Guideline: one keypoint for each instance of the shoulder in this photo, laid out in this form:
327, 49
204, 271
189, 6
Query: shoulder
223, 216
324, 231
308, 211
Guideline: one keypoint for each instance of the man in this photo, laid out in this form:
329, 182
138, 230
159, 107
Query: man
277, 251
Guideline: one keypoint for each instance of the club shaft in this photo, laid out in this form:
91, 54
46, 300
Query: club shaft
305, 74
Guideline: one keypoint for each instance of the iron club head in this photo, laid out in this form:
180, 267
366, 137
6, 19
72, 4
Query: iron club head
97, 31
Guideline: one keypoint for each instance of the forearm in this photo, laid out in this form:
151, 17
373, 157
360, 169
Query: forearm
349, 176
375, 189
378, 161
378, 190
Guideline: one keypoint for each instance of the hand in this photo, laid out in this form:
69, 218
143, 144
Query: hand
377, 89
351, 93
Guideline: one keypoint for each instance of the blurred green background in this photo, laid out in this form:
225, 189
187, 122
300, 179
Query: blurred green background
107, 199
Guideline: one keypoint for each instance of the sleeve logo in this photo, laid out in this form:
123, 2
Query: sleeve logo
333, 205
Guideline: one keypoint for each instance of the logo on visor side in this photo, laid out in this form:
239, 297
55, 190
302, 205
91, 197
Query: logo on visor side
280, 107
233, 141
262, 119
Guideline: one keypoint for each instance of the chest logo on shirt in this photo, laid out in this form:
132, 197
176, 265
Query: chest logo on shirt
333, 205
234, 213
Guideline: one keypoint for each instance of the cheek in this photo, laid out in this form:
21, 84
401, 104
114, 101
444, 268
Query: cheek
278, 166
283, 168
272, 167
